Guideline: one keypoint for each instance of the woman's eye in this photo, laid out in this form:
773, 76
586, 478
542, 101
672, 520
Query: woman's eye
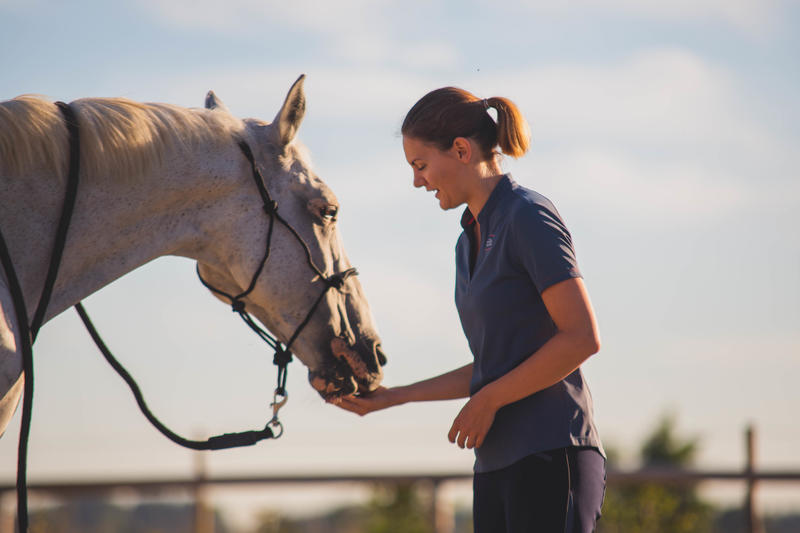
329, 213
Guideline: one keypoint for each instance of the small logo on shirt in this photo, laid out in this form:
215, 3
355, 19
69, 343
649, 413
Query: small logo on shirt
489, 242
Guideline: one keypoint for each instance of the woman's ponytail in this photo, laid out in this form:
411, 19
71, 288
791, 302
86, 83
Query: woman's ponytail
513, 133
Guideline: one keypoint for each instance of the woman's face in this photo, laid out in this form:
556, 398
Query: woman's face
436, 170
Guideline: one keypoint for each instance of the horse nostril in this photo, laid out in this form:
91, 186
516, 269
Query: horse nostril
380, 354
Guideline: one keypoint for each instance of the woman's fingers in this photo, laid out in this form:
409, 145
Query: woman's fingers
361, 405
354, 405
472, 424
451, 435
465, 439
459, 434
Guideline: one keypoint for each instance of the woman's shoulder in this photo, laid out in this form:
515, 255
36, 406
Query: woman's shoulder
528, 206
527, 197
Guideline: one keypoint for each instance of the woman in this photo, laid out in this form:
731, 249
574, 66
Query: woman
527, 316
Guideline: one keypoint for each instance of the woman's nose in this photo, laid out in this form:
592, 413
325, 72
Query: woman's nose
419, 181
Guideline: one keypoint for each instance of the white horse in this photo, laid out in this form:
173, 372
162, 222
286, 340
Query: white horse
161, 180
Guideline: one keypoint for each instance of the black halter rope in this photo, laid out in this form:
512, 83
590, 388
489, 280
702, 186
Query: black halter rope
336, 281
28, 332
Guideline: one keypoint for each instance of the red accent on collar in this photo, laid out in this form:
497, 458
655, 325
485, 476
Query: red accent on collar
467, 219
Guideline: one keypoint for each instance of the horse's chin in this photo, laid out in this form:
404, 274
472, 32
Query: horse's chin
346, 373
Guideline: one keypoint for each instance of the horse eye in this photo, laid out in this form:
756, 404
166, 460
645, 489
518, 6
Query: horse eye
329, 212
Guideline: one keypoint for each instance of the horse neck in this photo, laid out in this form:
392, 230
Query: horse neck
118, 226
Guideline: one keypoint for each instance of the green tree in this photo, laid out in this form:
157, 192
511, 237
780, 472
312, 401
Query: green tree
665, 449
656, 508
270, 521
398, 509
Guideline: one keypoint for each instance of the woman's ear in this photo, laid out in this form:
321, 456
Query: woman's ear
462, 149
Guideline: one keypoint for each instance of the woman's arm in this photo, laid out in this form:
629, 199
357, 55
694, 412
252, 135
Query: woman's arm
577, 339
449, 386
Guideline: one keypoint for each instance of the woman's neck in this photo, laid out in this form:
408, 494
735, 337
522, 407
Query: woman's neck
484, 185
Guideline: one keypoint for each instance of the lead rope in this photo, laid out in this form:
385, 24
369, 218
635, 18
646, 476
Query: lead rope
28, 332
220, 442
27, 398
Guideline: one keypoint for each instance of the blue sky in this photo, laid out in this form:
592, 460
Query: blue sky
665, 133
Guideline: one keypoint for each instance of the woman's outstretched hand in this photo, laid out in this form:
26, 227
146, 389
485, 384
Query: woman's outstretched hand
380, 398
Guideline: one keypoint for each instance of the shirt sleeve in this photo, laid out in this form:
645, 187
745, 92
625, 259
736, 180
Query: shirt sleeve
543, 245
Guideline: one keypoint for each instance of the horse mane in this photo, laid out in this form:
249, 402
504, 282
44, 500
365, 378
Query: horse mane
120, 139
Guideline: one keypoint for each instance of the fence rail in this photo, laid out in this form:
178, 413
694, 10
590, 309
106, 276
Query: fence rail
198, 486
160, 485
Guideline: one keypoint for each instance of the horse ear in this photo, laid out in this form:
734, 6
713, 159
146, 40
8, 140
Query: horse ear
291, 114
213, 102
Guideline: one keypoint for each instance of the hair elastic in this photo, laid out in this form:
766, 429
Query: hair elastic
485, 104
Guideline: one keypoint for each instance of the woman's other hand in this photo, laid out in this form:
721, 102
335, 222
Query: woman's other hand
473, 422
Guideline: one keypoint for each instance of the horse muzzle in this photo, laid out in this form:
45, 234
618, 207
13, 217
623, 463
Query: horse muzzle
352, 369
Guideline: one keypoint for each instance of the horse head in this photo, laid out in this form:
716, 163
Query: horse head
339, 343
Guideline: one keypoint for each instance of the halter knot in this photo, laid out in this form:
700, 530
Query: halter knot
237, 306
271, 207
282, 356
336, 281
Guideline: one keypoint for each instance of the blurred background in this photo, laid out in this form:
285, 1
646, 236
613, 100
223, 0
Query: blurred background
665, 133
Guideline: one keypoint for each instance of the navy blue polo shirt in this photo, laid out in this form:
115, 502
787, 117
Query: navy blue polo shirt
525, 249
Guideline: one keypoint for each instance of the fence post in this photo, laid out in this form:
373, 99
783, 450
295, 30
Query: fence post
754, 524
203, 514
434, 508
442, 511
8, 516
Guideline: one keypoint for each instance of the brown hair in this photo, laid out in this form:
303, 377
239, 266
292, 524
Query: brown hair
444, 114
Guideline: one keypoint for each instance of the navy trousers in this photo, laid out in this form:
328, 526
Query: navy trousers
558, 491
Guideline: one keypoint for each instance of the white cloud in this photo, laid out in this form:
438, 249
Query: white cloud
343, 24
658, 133
658, 97
351, 94
238, 15
661, 96
752, 16
661, 132
618, 185
425, 55
354, 30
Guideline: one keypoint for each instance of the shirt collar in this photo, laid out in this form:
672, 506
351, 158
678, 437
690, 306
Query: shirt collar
467, 220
